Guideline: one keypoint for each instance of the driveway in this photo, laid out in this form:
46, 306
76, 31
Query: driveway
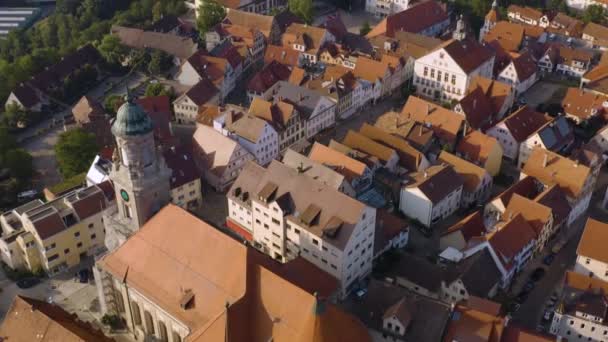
43, 157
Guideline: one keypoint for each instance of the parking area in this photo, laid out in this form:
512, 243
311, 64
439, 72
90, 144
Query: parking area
544, 92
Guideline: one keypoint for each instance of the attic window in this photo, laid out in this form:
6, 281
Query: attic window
187, 300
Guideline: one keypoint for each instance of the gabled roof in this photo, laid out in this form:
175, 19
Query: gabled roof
470, 226
445, 123
313, 169
414, 19
246, 126
511, 238
568, 55
524, 122
551, 168
364, 144
202, 92
347, 166
26, 95
471, 174
472, 325
477, 146
509, 35
87, 108
209, 67
417, 134
535, 213
478, 109
598, 32
555, 199
370, 69
408, 156
282, 54
277, 114
583, 104
468, 53
436, 182
592, 243
525, 187
29, 319
250, 20
216, 149
525, 66
179, 160
302, 34
268, 76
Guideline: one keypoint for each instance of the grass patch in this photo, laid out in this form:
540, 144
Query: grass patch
69, 183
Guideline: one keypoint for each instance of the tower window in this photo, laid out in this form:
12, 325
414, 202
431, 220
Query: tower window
128, 213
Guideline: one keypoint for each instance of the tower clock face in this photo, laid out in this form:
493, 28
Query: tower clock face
124, 195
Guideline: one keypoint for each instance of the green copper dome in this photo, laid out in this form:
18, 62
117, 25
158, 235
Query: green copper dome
131, 120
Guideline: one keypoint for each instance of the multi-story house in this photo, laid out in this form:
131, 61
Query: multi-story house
353, 141
446, 72
591, 256
293, 214
409, 158
267, 77
538, 216
271, 26
284, 118
307, 39
432, 195
556, 135
573, 62
520, 72
482, 150
381, 8
255, 7
511, 244
218, 157
580, 106
580, 313
185, 181
583, 4
529, 16
316, 110
189, 104
516, 128
204, 283
222, 72
322, 173
446, 125
250, 41
596, 36
53, 236
429, 18
477, 182
575, 179
357, 173
500, 95
256, 135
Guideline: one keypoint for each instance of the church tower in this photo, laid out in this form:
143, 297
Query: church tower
491, 19
460, 33
139, 174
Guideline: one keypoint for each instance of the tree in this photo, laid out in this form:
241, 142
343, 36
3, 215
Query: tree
7, 142
157, 89
75, 150
159, 62
365, 28
157, 11
19, 163
112, 103
594, 14
111, 49
210, 13
302, 8
15, 116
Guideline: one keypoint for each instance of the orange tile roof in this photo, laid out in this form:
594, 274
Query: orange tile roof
29, 320
551, 168
471, 174
583, 282
445, 123
508, 35
477, 146
371, 70
582, 104
342, 163
414, 19
408, 156
524, 122
309, 36
535, 213
598, 32
364, 144
510, 238
282, 54
473, 325
592, 243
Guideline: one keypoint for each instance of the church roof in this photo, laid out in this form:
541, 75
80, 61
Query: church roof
131, 119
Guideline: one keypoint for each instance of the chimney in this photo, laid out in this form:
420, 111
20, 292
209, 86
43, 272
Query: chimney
545, 157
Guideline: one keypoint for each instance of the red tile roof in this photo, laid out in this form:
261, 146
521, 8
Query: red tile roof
268, 76
414, 19
524, 122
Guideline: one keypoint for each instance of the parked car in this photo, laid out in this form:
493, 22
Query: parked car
537, 274
25, 195
26, 283
361, 293
83, 276
548, 259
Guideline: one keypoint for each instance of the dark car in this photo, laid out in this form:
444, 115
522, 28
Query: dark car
27, 282
548, 259
538, 274
83, 276
528, 287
